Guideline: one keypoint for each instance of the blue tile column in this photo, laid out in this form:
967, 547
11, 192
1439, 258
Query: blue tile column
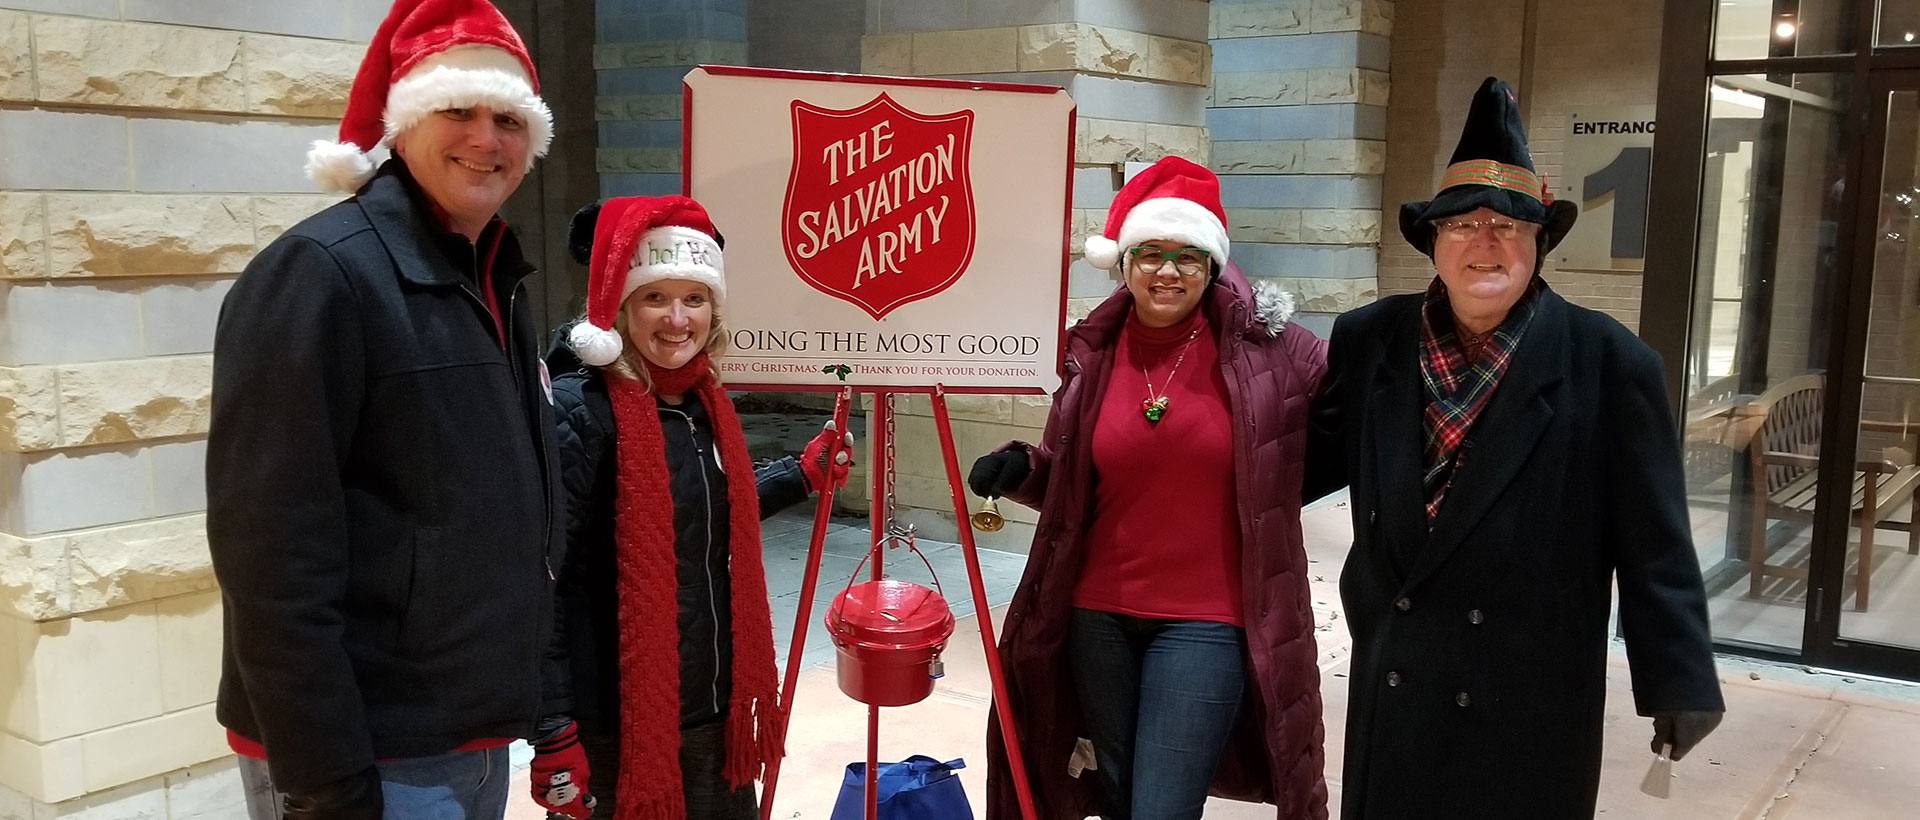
640, 54
1298, 122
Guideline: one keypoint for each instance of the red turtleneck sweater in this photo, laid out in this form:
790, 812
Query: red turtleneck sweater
1165, 538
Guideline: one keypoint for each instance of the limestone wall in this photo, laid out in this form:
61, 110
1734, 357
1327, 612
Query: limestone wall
1298, 121
147, 150
641, 52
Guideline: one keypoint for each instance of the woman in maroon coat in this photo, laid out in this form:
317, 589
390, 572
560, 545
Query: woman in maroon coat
1167, 571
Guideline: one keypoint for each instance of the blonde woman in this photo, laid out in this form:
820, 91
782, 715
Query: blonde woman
663, 634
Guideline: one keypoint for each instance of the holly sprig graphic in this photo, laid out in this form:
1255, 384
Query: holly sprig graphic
840, 370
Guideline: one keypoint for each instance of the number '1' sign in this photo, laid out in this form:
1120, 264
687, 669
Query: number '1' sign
1607, 172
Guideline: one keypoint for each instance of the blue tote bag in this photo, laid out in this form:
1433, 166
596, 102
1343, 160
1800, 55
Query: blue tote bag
918, 788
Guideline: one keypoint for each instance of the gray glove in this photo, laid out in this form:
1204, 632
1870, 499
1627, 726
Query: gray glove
1684, 728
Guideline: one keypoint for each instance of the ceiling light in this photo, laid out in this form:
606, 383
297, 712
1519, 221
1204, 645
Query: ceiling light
1907, 37
1737, 97
1783, 31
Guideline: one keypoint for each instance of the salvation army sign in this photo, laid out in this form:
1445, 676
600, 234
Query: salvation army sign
885, 232
879, 208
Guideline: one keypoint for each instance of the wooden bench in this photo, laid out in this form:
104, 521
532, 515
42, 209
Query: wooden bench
1785, 457
1714, 433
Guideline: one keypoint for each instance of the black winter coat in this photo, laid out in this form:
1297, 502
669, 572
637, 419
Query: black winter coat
587, 642
1480, 649
379, 503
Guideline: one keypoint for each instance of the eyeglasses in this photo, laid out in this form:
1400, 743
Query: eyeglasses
1187, 261
1463, 230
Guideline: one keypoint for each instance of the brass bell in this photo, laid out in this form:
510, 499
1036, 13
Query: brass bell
987, 518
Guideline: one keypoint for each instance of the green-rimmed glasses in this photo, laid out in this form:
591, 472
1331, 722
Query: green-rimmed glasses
1149, 260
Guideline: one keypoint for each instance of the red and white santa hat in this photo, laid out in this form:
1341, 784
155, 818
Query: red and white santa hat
638, 240
428, 56
1172, 199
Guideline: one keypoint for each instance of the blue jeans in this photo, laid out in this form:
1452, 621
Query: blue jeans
452, 786
1159, 699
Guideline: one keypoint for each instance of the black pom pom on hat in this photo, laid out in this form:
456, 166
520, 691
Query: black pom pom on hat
580, 233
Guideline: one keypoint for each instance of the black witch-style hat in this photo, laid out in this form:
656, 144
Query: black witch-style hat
1493, 168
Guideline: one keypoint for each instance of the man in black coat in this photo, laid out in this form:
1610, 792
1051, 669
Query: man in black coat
380, 488
1510, 457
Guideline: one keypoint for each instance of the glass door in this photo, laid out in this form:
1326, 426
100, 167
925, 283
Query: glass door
1874, 575
1766, 276
1794, 343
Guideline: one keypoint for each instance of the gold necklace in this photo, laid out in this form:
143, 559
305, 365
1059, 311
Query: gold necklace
1154, 407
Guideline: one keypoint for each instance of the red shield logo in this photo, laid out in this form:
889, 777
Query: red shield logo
879, 208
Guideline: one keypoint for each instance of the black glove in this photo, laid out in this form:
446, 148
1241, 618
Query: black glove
996, 474
1684, 728
355, 797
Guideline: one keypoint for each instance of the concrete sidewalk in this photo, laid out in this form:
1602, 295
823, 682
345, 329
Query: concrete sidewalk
1796, 744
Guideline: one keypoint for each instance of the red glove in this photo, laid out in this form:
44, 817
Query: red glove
818, 468
559, 774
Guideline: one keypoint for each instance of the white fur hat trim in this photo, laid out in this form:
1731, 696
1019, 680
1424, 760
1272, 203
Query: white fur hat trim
463, 76
1178, 220
675, 252
1170, 218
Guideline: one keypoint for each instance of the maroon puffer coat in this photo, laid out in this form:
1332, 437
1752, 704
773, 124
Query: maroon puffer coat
1272, 370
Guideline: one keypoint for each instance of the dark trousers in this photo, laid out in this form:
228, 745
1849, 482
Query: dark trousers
703, 752
1159, 699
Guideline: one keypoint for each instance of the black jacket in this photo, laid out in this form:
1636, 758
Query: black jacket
586, 644
1480, 648
379, 498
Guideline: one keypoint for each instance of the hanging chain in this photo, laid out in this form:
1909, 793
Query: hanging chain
888, 465
893, 530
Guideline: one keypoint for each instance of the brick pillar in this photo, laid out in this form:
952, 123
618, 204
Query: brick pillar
1138, 72
641, 55
145, 156
1299, 125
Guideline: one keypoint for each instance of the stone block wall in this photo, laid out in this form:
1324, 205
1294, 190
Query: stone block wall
1299, 124
817, 35
1139, 73
147, 150
1559, 57
641, 52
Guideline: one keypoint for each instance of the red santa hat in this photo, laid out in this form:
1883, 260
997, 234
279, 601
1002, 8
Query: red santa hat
1172, 199
428, 56
637, 240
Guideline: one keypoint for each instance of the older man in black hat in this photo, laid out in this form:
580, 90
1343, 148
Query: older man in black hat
1510, 457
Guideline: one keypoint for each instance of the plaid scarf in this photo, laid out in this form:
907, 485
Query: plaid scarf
1460, 379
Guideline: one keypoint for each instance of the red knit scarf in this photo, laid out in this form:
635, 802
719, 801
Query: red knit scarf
649, 784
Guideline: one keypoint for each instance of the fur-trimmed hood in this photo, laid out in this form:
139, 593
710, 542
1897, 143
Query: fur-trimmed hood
1272, 307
